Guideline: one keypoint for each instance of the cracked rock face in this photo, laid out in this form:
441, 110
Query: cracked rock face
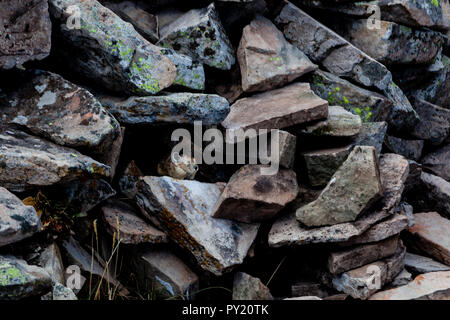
184, 210
56, 109
108, 50
199, 34
266, 59
352, 189
25, 32
17, 221
27, 162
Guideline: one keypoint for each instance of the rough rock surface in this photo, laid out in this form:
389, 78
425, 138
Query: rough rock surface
437, 162
168, 108
199, 34
432, 193
421, 264
246, 287
108, 50
266, 59
184, 210
128, 181
371, 134
27, 161
359, 175
430, 235
410, 149
122, 219
277, 109
26, 32
20, 280
251, 196
17, 221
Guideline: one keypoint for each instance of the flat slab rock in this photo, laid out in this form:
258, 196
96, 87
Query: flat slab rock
352, 189
25, 34
421, 264
288, 231
341, 58
133, 65
428, 286
340, 123
184, 210
246, 287
277, 109
430, 235
122, 218
266, 59
169, 108
250, 196
162, 271
17, 221
27, 162
199, 34
20, 280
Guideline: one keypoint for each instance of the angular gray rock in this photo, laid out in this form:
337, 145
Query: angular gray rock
128, 181
199, 34
246, 287
364, 281
287, 145
50, 260
58, 110
410, 149
322, 164
341, 58
352, 189
276, 109
421, 264
61, 293
371, 134
403, 278
266, 59
27, 162
251, 196
369, 105
437, 162
340, 123
287, 231
351, 258
108, 50
25, 34
20, 280
17, 221
306, 288
184, 211
434, 126
165, 274
430, 235
123, 220
432, 193
168, 108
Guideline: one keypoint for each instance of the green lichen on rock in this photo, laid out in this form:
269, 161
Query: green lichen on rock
10, 275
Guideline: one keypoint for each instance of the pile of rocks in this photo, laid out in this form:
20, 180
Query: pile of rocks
94, 204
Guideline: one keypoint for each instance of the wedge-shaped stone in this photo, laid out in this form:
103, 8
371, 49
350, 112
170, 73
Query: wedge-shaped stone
421, 264
17, 221
340, 123
199, 34
322, 164
168, 108
341, 58
246, 287
27, 162
165, 274
410, 149
250, 196
276, 109
432, 193
288, 231
371, 134
437, 162
60, 111
430, 235
25, 33
428, 286
128, 181
20, 280
184, 210
344, 260
266, 59
96, 43
122, 219
352, 189
364, 281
